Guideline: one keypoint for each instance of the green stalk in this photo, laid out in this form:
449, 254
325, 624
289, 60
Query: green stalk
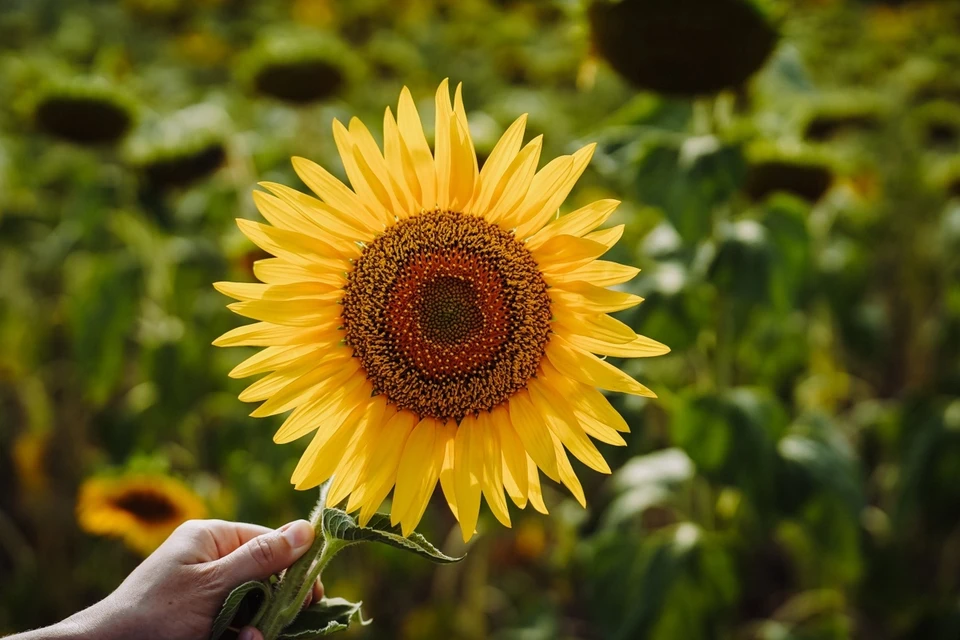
297, 581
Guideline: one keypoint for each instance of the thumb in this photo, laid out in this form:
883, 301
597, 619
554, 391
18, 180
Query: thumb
267, 554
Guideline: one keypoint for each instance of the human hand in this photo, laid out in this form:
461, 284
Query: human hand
177, 591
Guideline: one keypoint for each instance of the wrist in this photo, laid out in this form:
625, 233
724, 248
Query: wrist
69, 629
93, 622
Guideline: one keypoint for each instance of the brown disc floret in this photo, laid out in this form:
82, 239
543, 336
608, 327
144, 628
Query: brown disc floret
448, 314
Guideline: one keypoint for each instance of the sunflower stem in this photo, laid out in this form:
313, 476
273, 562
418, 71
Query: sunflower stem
297, 581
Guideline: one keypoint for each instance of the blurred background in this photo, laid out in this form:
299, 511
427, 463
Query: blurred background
790, 173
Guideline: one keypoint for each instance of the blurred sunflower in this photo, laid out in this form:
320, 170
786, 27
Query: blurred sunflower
141, 509
438, 321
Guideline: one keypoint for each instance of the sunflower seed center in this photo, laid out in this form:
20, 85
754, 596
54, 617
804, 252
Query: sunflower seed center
448, 314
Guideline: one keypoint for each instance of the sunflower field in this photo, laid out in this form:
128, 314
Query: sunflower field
788, 175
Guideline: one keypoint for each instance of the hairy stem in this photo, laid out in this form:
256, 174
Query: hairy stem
297, 581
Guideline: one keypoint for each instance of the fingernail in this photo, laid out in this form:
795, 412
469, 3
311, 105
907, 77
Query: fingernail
246, 633
298, 534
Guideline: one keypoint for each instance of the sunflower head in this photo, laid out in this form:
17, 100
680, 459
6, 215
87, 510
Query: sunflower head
84, 111
299, 69
683, 47
180, 150
438, 321
799, 171
937, 124
842, 115
140, 509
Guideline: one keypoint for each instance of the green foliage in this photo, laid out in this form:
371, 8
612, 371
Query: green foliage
240, 607
342, 526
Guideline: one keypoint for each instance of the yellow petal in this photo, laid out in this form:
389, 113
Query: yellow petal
270, 384
333, 221
273, 358
287, 218
446, 439
565, 426
398, 199
588, 404
464, 172
322, 410
336, 194
607, 237
327, 376
301, 312
597, 325
417, 475
332, 441
277, 271
468, 477
367, 188
576, 223
496, 165
291, 246
411, 132
381, 469
258, 291
400, 163
348, 473
241, 290
488, 457
266, 334
533, 432
600, 273
581, 297
514, 457
442, 144
515, 183
533, 486
538, 192
545, 209
567, 475
589, 369
641, 347
566, 253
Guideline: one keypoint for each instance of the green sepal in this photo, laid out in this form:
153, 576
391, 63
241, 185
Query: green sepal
241, 607
341, 526
324, 618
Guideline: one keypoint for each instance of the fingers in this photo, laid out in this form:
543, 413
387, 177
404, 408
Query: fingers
229, 536
315, 595
267, 554
249, 633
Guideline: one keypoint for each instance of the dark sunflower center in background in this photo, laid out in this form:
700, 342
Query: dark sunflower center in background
146, 506
448, 314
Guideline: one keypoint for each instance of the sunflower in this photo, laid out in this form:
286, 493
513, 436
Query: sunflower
141, 509
438, 321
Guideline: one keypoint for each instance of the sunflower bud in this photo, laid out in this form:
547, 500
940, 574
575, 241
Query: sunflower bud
299, 69
937, 124
801, 172
683, 47
84, 111
842, 115
184, 148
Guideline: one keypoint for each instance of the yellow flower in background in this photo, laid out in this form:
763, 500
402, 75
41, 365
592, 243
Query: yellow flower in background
30, 450
141, 509
438, 321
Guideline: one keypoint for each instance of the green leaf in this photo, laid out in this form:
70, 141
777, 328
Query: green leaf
240, 607
324, 618
687, 179
338, 524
